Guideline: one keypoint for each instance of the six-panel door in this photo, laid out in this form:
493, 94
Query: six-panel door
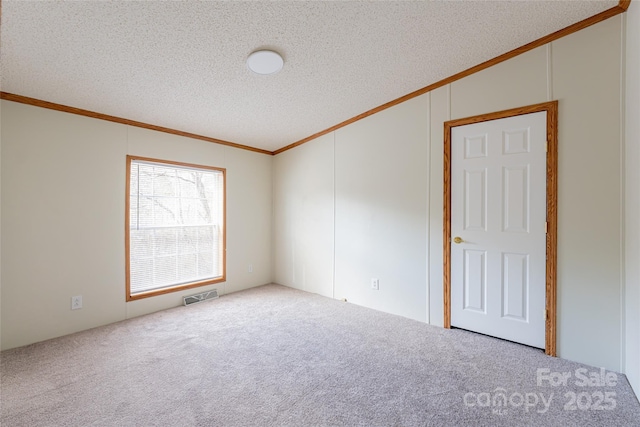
498, 218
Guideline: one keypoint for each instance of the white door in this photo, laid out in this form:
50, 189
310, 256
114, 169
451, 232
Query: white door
498, 228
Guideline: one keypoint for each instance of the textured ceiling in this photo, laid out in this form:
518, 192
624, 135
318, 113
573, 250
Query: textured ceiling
182, 64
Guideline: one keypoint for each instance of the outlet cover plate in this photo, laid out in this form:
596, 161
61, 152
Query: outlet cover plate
76, 302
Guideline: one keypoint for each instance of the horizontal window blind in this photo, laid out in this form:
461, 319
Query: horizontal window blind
175, 225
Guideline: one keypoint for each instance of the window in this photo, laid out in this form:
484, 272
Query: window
175, 226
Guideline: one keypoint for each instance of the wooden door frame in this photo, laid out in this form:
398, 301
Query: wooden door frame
551, 109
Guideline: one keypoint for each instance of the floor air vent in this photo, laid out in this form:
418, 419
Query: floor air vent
194, 299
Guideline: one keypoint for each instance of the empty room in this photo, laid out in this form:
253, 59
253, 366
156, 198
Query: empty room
319, 213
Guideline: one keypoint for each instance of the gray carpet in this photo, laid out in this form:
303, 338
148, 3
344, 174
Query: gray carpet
274, 356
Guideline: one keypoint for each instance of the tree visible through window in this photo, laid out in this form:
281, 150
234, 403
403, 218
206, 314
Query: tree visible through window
175, 230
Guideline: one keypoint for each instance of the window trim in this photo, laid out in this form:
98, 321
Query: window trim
127, 224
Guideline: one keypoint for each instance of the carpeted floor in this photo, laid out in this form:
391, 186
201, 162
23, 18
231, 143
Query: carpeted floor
274, 356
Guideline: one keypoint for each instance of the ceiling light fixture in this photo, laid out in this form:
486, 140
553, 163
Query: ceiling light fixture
265, 62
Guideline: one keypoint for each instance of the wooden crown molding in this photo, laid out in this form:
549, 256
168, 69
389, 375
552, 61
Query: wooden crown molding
622, 7
65, 108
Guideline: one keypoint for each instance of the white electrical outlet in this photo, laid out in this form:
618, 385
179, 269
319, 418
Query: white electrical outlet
250, 269
375, 284
76, 302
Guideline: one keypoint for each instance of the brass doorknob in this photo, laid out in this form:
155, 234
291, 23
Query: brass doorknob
457, 240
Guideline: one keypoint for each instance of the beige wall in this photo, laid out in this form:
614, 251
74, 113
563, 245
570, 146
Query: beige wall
63, 189
586, 70
632, 199
388, 191
303, 206
381, 210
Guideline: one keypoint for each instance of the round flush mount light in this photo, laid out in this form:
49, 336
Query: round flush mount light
265, 62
